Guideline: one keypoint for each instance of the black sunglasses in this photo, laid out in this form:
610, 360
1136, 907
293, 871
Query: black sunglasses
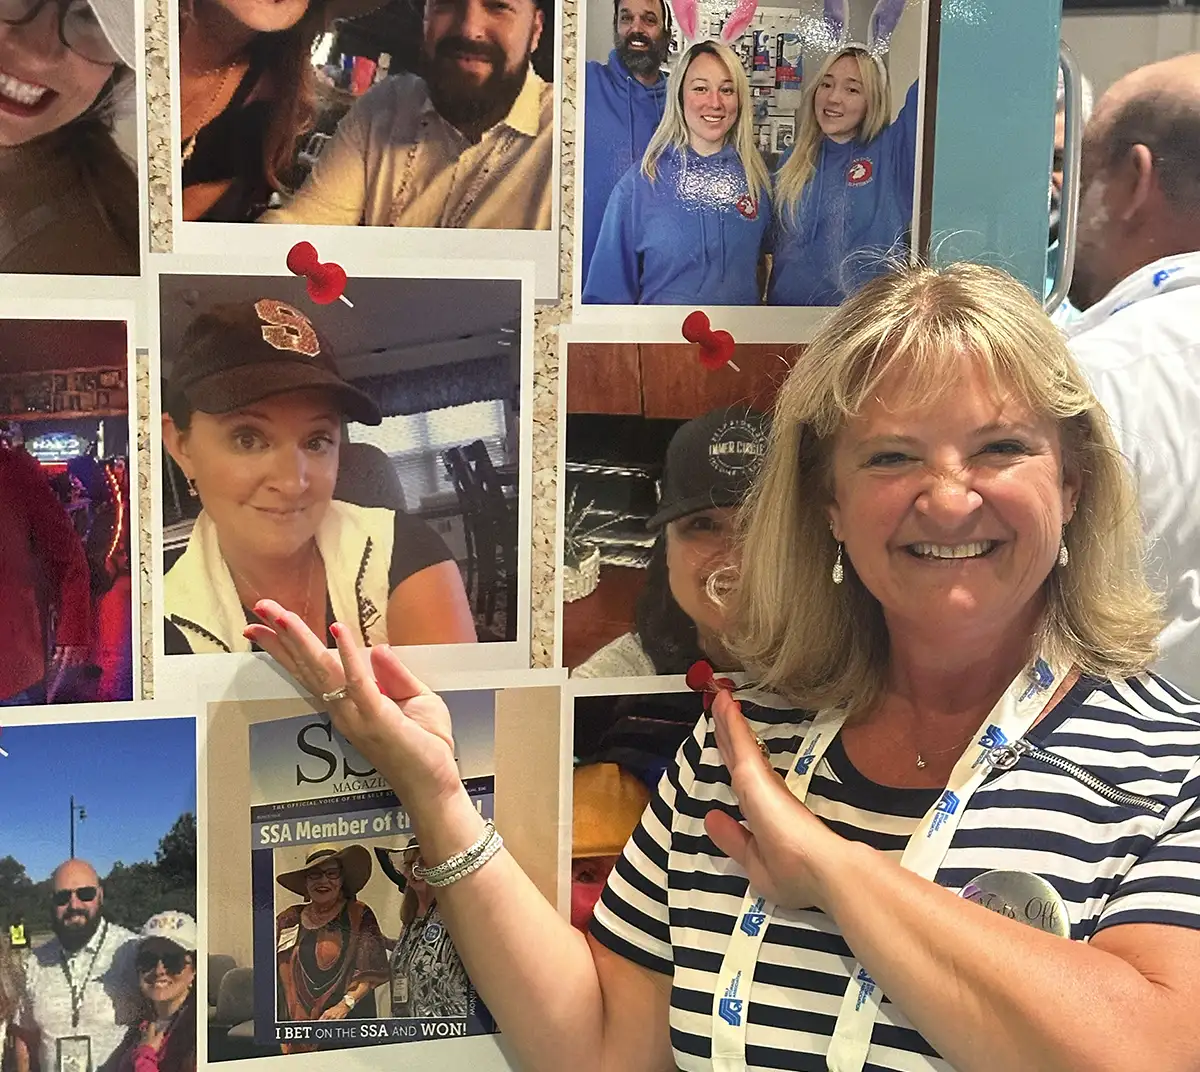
174, 960
86, 894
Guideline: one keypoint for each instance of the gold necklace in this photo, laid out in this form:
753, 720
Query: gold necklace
922, 753
258, 596
189, 145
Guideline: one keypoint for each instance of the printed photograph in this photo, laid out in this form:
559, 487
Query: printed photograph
404, 113
736, 154
657, 464
68, 138
99, 951
66, 569
338, 943
359, 465
622, 746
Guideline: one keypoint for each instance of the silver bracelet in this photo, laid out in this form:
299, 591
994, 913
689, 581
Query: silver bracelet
463, 863
485, 854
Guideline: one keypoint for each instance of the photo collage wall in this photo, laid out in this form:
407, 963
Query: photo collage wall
303, 350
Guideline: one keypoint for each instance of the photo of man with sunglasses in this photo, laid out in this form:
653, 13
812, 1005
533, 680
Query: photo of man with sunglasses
82, 985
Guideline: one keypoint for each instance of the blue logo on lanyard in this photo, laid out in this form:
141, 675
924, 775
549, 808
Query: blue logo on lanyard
948, 802
1163, 274
866, 987
806, 759
730, 1006
1041, 678
993, 737
754, 918
946, 806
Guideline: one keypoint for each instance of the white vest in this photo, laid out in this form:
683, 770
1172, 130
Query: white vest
356, 545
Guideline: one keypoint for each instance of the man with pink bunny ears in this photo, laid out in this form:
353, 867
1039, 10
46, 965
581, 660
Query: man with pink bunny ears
844, 192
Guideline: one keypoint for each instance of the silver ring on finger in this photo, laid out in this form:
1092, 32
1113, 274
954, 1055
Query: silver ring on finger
339, 693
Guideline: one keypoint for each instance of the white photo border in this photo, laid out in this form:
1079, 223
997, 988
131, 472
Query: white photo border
747, 323
257, 673
352, 244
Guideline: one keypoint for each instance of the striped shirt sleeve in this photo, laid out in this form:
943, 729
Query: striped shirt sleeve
1163, 886
632, 916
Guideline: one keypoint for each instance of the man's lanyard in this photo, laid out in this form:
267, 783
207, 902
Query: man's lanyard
1016, 711
77, 993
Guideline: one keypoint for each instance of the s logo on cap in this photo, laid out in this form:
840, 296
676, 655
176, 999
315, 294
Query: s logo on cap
286, 328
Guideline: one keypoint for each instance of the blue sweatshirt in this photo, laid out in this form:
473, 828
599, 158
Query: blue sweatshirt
620, 116
692, 237
855, 208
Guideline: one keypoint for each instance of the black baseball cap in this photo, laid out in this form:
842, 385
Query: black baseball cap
235, 354
711, 462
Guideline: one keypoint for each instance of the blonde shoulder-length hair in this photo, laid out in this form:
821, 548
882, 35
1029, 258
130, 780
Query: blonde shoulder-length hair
672, 130
800, 167
823, 645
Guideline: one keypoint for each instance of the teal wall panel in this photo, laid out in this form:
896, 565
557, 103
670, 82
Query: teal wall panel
998, 63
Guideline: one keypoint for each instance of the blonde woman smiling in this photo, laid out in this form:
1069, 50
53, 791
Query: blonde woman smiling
844, 192
687, 227
941, 584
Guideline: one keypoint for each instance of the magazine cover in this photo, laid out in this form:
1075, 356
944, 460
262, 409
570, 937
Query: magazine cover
349, 947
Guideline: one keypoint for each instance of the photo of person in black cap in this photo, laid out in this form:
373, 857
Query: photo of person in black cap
710, 464
254, 410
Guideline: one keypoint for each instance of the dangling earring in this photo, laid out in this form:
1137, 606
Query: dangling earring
839, 574
192, 488
1064, 556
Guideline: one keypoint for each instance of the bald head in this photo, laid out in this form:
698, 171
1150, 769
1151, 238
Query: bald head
1140, 181
75, 873
77, 900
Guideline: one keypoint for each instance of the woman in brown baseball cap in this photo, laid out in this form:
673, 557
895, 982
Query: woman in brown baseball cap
254, 408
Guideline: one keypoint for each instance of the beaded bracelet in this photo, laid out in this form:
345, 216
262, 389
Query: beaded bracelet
463, 863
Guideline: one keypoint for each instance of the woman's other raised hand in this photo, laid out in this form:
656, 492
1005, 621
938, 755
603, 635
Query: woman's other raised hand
391, 717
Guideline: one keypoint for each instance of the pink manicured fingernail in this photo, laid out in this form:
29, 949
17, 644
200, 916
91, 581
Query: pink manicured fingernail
281, 623
334, 631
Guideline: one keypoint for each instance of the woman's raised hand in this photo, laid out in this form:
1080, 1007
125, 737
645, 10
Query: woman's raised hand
391, 717
783, 848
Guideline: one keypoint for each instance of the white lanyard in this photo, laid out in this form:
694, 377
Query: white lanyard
1015, 712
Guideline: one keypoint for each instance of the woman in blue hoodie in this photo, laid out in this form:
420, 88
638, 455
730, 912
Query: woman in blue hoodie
688, 226
844, 193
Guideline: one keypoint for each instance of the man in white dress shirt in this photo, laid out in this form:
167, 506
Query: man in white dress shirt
82, 985
1137, 278
469, 144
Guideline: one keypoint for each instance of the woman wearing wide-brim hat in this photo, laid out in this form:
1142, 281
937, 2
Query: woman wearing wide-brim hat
246, 97
329, 951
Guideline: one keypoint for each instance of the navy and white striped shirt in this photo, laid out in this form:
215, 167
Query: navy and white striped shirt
1105, 806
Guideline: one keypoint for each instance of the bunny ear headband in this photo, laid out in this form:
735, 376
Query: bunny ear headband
687, 16
832, 33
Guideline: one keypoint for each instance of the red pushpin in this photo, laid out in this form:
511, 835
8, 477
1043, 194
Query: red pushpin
700, 678
716, 347
326, 282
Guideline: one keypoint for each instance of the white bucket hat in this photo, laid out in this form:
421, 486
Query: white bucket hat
116, 19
